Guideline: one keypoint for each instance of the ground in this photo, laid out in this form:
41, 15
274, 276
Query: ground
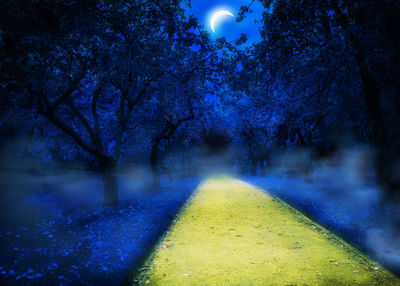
234, 234
54, 228
58, 233
346, 203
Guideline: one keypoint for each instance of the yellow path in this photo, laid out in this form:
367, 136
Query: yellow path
234, 234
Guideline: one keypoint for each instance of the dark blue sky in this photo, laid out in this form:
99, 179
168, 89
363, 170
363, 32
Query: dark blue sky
228, 27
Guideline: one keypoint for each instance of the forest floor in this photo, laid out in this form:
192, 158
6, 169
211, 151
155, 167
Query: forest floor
231, 233
350, 207
55, 231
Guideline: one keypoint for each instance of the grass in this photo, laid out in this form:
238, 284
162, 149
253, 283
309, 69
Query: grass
231, 233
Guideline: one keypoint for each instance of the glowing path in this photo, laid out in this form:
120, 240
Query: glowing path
234, 234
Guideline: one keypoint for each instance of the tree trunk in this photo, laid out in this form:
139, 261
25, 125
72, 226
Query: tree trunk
387, 153
154, 164
253, 170
386, 140
109, 173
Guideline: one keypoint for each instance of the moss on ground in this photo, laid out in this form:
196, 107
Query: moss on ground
234, 234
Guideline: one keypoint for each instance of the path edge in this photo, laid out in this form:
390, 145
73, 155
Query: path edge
137, 276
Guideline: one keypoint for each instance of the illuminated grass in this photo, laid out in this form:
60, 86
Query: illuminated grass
233, 234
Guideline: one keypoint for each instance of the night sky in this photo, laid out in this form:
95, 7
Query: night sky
228, 27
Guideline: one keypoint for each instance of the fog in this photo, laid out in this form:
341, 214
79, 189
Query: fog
54, 224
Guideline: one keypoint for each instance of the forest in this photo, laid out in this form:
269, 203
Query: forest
113, 112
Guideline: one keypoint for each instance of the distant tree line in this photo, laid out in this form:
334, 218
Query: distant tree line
125, 83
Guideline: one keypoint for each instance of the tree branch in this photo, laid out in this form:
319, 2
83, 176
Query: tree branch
74, 135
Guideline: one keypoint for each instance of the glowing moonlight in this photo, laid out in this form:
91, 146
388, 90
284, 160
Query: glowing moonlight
216, 16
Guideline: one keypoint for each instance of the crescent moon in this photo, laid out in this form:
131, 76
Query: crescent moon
215, 17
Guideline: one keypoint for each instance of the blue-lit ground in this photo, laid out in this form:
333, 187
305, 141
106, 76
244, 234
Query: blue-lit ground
54, 238
362, 223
